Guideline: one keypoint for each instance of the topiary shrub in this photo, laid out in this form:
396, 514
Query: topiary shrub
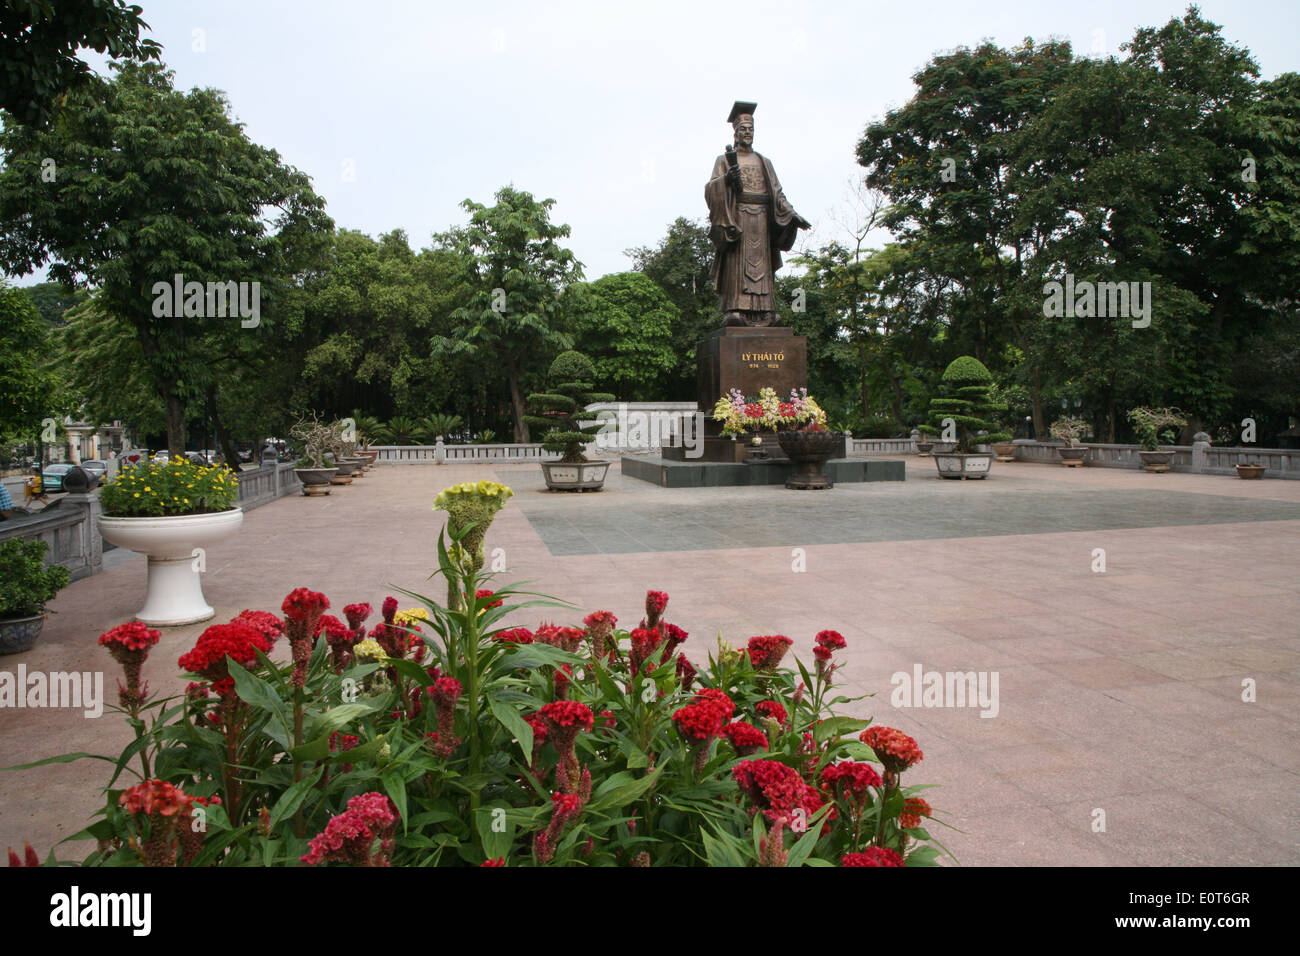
560, 410
26, 582
966, 400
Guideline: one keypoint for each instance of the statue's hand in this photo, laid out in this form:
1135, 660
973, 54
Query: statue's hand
733, 176
732, 233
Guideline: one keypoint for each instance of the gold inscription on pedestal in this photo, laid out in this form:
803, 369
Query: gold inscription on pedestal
762, 357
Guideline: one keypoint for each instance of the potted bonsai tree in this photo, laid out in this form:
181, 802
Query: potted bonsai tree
961, 415
1070, 430
25, 585
1154, 425
171, 511
560, 411
312, 470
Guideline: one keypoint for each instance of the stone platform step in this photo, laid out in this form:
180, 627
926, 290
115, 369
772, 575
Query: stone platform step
708, 474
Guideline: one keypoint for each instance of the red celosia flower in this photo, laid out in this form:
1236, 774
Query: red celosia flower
565, 638
831, 640
685, 672
129, 645
332, 628
895, 749
766, 652
499, 861
303, 604
913, 809
516, 635
822, 654
850, 775
389, 610
645, 641
873, 856
483, 593
133, 637
655, 602
561, 679
699, 722
234, 641
567, 714
264, 622
773, 709
600, 628
356, 615
538, 723
609, 720
777, 789
719, 699
746, 738
674, 635
350, 836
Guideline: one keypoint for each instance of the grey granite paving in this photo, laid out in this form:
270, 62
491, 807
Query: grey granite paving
631, 520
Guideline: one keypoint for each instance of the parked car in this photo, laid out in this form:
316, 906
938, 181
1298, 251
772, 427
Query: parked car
95, 467
52, 476
162, 456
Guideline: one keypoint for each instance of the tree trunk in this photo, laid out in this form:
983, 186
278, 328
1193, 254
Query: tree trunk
1037, 396
175, 412
517, 407
224, 442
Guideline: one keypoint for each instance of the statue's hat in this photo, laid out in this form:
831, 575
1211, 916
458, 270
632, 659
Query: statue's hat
741, 108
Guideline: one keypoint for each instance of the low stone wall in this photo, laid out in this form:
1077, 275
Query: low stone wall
1199, 458
440, 454
68, 528
260, 486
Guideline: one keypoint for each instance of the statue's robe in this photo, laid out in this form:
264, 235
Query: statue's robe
750, 228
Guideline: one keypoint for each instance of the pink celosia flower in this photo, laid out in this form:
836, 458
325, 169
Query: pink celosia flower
350, 836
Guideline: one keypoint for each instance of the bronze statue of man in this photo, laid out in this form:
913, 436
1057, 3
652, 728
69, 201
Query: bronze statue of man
751, 223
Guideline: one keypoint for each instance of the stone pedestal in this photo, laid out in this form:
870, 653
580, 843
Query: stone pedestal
747, 359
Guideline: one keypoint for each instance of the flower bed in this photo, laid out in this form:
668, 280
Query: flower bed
444, 737
177, 487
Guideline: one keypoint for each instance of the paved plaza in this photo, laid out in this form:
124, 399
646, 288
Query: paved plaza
1119, 691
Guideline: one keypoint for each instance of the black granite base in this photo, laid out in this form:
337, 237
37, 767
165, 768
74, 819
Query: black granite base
708, 474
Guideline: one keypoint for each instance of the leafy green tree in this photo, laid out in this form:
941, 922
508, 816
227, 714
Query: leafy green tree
624, 322
680, 265
39, 40
945, 160
152, 183
27, 386
53, 300
517, 272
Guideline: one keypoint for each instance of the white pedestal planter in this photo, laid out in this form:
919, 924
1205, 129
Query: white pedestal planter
175, 592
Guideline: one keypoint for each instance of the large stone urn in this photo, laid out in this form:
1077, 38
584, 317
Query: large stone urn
809, 451
174, 546
956, 465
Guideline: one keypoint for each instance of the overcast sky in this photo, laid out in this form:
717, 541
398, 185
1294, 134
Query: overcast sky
401, 110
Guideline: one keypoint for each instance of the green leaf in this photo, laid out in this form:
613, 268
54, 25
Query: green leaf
838, 727
293, 798
395, 786
256, 692
61, 758
514, 723
495, 842
622, 789
808, 841
721, 851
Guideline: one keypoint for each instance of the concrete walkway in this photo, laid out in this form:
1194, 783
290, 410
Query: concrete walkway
1119, 692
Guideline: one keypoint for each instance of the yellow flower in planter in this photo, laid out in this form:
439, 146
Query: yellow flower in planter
369, 649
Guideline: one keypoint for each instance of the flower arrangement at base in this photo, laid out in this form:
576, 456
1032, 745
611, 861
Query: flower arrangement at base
499, 740
176, 487
767, 412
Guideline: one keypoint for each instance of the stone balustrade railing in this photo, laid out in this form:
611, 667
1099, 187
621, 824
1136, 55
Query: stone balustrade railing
881, 446
1198, 458
461, 454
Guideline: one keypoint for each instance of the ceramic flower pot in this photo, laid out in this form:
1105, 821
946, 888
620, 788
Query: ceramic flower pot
315, 481
1006, 451
18, 634
581, 476
957, 465
1072, 456
1251, 472
809, 450
175, 591
1156, 461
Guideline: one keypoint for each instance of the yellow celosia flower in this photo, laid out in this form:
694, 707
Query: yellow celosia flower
370, 650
